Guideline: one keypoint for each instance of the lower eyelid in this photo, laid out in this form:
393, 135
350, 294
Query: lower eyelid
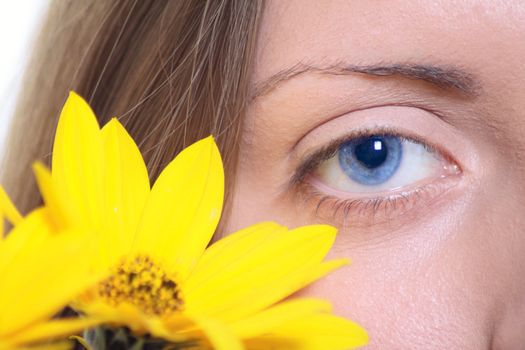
366, 211
452, 170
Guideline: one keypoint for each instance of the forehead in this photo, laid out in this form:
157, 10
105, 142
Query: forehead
485, 36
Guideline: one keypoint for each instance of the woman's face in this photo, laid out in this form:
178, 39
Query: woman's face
402, 123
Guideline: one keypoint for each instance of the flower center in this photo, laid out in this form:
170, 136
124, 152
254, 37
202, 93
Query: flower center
143, 283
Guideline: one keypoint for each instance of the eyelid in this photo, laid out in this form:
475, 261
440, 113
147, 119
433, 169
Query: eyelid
411, 123
375, 207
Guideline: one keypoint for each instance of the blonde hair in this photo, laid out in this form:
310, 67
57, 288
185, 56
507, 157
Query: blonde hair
171, 71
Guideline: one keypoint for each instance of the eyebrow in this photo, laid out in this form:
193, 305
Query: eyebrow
442, 77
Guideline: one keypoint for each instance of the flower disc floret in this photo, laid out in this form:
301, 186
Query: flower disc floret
144, 283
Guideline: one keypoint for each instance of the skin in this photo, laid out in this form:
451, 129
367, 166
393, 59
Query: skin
445, 268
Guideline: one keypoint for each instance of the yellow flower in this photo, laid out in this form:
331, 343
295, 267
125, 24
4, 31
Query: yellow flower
40, 273
164, 281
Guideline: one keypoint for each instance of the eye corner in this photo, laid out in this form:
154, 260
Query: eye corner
312, 161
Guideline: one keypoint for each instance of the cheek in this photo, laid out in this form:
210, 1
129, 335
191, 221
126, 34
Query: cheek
425, 288
257, 198
451, 281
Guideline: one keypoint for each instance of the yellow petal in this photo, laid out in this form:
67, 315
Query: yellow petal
227, 252
46, 273
246, 299
129, 315
76, 164
27, 235
55, 329
63, 345
219, 335
8, 209
81, 341
184, 207
126, 184
282, 313
208, 333
123, 314
262, 273
60, 213
178, 328
315, 332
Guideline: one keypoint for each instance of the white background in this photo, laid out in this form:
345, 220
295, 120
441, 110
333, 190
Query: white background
19, 21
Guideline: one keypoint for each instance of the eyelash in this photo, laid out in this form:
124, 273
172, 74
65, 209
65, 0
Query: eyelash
371, 207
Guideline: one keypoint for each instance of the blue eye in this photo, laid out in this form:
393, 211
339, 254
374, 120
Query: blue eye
379, 163
371, 160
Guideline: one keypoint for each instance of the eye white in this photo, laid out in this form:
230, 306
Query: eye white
417, 163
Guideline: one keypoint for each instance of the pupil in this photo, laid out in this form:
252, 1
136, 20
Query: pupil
372, 152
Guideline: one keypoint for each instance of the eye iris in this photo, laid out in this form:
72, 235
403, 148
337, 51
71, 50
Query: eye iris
371, 160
